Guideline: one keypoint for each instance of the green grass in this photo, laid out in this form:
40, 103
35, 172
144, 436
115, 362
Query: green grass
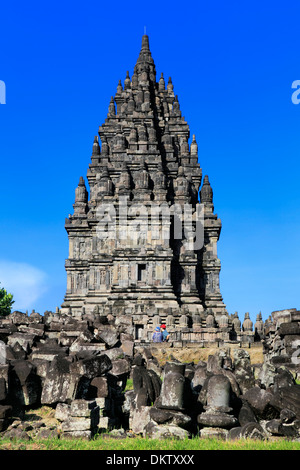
139, 443
129, 385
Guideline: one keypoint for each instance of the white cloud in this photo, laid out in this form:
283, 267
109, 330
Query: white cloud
27, 283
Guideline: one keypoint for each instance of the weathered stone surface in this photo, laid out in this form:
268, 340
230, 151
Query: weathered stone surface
139, 418
80, 345
214, 364
291, 328
26, 341
218, 393
128, 402
3, 389
156, 431
78, 434
120, 367
105, 422
141, 398
147, 380
24, 384
283, 379
4, 371
79, 419
61, 384
109, 337
62, 411
98, 388
82, 408
94, 366
200, 375
214, 433
236, 392
243, 370
48, 350
261, 403
277, 428
176, 418
6, 330
287, 397
127, 347
267, 374
217, 403
274, 427
47, 433
217, 419
19, 318
17, 434
33, 329
76, 424
287, 416
173, 386
246, 414
156, 384
41, 366
248, 431
5, 411
114, 353
103, 403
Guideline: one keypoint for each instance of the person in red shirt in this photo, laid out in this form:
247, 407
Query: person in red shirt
165, 333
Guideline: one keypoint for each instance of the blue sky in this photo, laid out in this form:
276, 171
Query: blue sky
232, 66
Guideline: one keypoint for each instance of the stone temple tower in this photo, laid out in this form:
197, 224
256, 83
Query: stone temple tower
125, 256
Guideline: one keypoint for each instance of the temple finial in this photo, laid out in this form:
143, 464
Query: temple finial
145, 43
96, 146
127, 81
206, 192
170, 85
111, 107
194, 146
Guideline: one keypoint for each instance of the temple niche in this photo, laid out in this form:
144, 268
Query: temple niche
128, 254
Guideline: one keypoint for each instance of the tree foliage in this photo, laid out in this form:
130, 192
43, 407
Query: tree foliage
6, 301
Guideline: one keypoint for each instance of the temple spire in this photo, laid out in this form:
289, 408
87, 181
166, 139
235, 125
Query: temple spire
145, 61
145, 43
144, 160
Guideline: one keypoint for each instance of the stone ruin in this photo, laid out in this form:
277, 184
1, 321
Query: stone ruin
78, 360
150, 276
80, 368
144, 258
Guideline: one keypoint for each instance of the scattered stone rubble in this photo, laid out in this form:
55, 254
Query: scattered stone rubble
282, 340
79, 367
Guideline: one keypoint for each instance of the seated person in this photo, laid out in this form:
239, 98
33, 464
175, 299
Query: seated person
157, 335
165, 334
